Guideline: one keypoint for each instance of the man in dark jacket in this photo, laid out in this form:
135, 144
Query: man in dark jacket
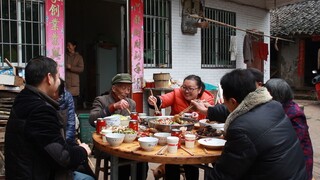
34, 144
261, 142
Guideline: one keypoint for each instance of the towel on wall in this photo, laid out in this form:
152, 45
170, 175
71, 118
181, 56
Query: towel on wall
233, 48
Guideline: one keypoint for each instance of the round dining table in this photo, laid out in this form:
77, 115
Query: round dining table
198, 156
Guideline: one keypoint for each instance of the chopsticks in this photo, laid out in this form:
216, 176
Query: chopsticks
89, 160
186, 110
186, 150
162, 150
155, 104
205, 150
128, 111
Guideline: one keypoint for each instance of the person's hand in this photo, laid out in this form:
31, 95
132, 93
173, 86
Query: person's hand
206, 104
200, 106
86, 147
122, 104
152, 100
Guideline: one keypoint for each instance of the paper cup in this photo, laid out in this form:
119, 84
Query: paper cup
189, 140
172, 142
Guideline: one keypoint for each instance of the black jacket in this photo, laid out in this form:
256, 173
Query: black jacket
261, 143
218, 113
34, 145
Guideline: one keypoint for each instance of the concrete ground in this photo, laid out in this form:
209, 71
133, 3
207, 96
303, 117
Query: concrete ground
312, 112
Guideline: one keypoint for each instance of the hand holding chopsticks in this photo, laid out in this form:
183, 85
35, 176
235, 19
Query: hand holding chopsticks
156, 109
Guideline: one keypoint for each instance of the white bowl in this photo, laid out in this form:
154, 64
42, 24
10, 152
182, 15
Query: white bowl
115, 139
162, 136
128, 138
113, 120
218, 126
148, 143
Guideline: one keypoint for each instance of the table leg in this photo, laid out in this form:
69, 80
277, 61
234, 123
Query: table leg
144, 170
133, 170
114, 167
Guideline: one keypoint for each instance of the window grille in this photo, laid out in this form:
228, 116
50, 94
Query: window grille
215, 40
157, 34
22, 30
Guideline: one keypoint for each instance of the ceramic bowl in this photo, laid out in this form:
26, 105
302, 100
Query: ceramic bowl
128, 138
115, 139
162, 136
113, 120
148, 143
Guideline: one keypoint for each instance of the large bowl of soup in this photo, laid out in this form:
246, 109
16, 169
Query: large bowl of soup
167, 123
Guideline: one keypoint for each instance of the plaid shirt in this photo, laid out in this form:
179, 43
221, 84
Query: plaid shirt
299, 123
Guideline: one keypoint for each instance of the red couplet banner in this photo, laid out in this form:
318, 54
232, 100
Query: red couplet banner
136, 49
55, 33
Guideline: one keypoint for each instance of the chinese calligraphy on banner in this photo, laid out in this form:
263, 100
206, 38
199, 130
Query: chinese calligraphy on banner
136, 32
55, 33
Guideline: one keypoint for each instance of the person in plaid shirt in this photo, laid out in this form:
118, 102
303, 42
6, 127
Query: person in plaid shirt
281, 91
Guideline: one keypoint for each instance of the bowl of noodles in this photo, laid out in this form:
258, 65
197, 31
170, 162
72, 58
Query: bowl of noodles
167, 123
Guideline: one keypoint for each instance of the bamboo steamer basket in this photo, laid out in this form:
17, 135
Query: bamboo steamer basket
161, 80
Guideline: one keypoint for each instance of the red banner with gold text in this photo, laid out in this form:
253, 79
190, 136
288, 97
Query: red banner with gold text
55, 33
136, 49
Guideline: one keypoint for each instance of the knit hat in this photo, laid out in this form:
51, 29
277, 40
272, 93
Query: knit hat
121, 78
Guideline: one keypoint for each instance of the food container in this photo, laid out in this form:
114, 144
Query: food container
153, 122
161, 80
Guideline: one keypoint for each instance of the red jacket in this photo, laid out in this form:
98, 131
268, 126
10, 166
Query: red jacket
178, 103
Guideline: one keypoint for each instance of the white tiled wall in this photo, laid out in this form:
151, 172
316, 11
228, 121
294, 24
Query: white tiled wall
186, 57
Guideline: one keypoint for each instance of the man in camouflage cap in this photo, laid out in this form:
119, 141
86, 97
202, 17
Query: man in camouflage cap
117, 102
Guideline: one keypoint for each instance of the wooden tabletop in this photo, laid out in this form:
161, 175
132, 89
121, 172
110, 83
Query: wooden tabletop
133, 151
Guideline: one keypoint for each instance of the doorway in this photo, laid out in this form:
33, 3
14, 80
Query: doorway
98, 26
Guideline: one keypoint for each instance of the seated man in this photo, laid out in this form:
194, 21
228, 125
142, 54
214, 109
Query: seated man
260, 138
117, 102
35, 147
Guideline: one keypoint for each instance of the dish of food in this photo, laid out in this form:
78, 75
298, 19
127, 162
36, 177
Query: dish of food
212, 143
209, 131
166, 123
213, 124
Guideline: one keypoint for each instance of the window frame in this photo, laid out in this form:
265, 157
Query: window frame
157, 43
27, 37
215, 52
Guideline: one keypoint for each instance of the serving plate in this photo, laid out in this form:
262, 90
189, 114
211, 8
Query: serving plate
153, 123
212, 143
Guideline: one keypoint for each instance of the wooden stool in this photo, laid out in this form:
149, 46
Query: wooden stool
105, 169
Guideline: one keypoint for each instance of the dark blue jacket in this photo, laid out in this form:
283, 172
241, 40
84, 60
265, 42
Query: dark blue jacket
68, 114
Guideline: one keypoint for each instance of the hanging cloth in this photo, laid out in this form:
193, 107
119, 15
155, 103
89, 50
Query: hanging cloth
233, 48
247, 49
263, 51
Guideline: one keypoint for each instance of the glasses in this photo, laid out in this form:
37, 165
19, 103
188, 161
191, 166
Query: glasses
188, 89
